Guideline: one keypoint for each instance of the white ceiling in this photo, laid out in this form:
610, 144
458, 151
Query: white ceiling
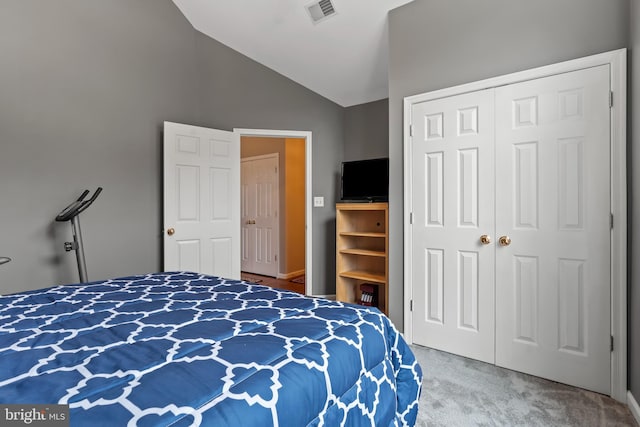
343, 58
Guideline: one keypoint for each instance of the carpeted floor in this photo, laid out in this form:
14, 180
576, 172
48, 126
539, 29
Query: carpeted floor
457, 391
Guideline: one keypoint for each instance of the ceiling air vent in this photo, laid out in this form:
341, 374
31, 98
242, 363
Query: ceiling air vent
320, 10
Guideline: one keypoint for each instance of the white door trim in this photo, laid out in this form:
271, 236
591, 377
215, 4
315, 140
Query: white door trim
240, 132
617, 60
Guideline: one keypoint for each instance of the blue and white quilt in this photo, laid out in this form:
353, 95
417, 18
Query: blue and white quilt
186, 349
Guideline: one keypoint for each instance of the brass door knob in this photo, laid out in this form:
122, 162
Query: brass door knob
485, 240
171, 231
505, 240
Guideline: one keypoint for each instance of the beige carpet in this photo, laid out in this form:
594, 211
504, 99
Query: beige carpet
462, 392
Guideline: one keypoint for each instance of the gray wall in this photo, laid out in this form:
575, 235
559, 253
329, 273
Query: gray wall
84, 88
436, 44
633, 160
366, 130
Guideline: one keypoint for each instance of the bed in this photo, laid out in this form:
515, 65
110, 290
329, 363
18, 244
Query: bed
182, 349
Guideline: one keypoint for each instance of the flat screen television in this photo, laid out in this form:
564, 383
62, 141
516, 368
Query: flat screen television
365, 180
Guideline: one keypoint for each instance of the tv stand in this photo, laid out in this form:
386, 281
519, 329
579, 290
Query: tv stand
362, 248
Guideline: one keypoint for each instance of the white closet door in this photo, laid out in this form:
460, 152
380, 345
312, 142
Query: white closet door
453, 206
552, 201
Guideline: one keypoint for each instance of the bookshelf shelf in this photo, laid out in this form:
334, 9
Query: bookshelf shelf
362, 248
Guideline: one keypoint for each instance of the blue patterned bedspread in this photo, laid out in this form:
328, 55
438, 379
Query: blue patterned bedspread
185, 349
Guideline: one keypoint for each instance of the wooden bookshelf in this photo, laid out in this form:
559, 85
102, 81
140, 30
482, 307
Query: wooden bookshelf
362, 251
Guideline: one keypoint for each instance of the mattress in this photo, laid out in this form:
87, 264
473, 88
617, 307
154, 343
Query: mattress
182, 349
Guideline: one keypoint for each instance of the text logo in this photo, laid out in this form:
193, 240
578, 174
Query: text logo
34, 415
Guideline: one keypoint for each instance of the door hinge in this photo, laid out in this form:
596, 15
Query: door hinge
611, 345
410, 130
410, 305
611, 220
410, 217
275, 257
611, 99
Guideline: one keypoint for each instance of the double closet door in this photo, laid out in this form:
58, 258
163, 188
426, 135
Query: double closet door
511, 226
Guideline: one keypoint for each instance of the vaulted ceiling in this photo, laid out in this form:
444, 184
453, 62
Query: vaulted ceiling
343, 57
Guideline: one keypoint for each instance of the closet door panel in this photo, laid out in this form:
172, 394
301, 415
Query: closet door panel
552, 187
453, 205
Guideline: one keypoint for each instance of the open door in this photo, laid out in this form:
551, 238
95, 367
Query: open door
201, 200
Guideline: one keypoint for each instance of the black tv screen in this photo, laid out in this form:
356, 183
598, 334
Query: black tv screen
365, 180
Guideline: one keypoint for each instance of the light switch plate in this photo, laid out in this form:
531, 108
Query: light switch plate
318, 202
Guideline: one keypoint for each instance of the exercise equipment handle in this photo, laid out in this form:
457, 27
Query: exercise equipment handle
78, 206
88, 203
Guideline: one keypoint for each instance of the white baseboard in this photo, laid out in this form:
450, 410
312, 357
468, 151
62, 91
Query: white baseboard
287, 276
633, 406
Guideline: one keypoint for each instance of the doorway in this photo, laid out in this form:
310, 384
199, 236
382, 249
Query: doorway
284, 247
260, 210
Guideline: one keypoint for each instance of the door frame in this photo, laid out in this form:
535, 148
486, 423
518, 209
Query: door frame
275, 156
617, 60
307, 136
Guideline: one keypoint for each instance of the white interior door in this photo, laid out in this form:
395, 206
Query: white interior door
553, 189
201, 200
260, 199
453, 206
247, 199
